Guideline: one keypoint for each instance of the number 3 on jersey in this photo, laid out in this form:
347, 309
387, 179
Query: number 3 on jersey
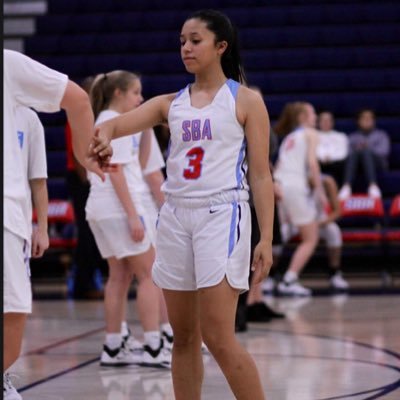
195, 156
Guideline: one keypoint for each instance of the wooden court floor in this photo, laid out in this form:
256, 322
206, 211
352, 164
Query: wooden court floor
327, 348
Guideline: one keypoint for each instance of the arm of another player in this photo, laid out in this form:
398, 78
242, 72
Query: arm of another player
331, 190
153, 171
155, 179
313, 165
40, 198
80, 116
253, 113
152, 112
120, 185
144, 148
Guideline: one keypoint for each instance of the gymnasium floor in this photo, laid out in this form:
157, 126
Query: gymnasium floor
328, 347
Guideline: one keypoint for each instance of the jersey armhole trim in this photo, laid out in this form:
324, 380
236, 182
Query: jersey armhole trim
233, 87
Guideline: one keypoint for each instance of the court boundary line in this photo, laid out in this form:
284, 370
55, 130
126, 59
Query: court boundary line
58, 374
386, 389
391, 387
42, 350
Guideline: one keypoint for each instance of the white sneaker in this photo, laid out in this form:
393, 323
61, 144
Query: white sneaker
119, 357
134, 346
293, 289
268, 285
158, 358
374, 192
345, 192
168, 340
9, 391
338, 282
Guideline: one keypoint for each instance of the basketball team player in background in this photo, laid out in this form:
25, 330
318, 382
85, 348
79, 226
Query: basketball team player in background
31, 140
298, 176
31, 84
218, 128
123, 232
329, 232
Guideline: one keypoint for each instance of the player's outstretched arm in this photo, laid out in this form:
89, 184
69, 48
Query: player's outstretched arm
152, 112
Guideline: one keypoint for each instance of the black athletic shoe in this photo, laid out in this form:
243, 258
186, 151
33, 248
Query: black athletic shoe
271, 313
257, 313
241, 318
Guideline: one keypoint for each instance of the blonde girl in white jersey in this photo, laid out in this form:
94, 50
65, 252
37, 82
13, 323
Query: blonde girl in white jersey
120, 226
297, 165
203, 240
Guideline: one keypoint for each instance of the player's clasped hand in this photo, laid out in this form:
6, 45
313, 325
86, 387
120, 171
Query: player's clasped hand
99, 155
136, 228
262, 261
101, 142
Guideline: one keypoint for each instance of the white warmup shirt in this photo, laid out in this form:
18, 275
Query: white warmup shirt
30, 134
291, 167
207, 153
156, 159
31, 84
333, 146
103, 193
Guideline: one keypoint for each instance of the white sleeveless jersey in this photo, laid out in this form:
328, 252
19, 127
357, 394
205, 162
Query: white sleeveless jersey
207, 150
292, 160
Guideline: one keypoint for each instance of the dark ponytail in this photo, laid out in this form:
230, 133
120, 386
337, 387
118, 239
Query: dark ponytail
221, 26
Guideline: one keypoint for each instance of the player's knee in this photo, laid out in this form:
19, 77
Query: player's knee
216, 342
333, 235
121, 278
184, 338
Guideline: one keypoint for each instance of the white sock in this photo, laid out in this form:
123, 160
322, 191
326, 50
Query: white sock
152, 339
113, 340
290, 276
124, 329
167, 328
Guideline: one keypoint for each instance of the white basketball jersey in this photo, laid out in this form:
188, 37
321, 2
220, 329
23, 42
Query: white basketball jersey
292, 161
207, 151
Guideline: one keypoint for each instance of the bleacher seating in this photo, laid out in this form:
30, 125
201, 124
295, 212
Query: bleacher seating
342, 55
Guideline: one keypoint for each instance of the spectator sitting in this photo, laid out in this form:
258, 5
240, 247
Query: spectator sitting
333, 147
371, 147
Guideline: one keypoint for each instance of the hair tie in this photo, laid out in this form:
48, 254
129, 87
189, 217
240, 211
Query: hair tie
104, 76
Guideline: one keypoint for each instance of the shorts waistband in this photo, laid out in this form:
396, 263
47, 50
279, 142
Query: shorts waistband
228, 196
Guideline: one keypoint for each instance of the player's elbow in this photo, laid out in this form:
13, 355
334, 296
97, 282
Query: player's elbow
75, 98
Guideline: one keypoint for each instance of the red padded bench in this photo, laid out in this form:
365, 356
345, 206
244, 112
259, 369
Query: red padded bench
60, 212
362, 209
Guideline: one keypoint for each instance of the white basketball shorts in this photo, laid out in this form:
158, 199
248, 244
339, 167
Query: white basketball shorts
152, 211
113, 237
298, 205
16, 282
200, 241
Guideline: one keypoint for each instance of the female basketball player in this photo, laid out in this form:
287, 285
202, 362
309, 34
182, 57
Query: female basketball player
31, 84
121, 228
218, 128
297, 164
